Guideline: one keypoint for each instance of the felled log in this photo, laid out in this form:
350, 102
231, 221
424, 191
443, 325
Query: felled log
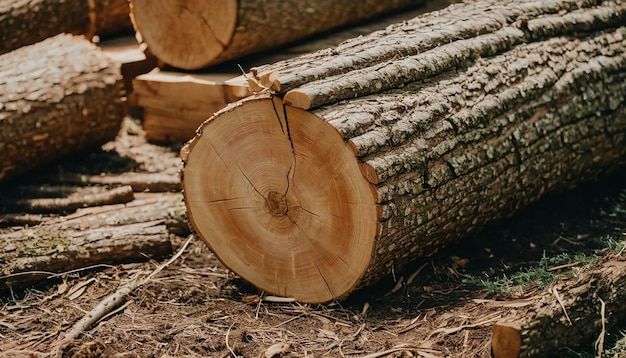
220, 31
312, 204
174, 104
26, 22
104, 235
59, 96
571, 313
133, 58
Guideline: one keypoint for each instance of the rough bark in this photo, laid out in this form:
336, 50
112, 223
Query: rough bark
219, 31
25, 22
140, 182
116, 233
428, 45
569, 314
59, 96
271, 189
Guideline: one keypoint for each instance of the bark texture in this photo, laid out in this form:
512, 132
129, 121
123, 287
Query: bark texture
25, 22
103, 235
59, 96
497, 117
230, 29
567, 315
428, 45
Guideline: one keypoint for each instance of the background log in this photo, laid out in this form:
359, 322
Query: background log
569, 314
26, 22
59, 96
216, 32
102, 235
175, 103
311, 204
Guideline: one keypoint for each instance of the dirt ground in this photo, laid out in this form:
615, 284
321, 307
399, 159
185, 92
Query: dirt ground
196, 308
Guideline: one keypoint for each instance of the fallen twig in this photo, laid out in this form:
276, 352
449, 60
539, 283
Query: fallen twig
115, 299
600, 341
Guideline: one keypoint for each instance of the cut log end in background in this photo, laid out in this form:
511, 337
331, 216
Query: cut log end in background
281, 186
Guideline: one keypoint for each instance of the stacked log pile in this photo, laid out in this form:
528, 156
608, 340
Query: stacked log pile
227, 30
364, 157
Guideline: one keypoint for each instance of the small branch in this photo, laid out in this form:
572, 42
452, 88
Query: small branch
556, 294
152, 182
110, 302
600, 341
123, 194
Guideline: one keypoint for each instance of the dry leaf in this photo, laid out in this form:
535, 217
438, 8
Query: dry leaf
77, 293
276, 349
251, 299
62, 288
78, 289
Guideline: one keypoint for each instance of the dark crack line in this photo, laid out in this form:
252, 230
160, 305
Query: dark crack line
206, 23
286, 130
249, 181
278, 116
238, 167
324, 279
307, 211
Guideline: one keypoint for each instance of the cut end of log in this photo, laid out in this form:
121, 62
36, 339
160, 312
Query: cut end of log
279, 197
506, 341
298, 99
185, 34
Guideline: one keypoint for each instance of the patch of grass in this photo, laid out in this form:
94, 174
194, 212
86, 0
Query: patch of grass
544, 272
541, 275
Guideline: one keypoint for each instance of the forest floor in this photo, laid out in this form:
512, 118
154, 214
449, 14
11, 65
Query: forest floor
195, 307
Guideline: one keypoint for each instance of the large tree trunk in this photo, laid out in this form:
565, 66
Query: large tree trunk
311, 204
59, 96
101, 235
219, 31
26, 22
